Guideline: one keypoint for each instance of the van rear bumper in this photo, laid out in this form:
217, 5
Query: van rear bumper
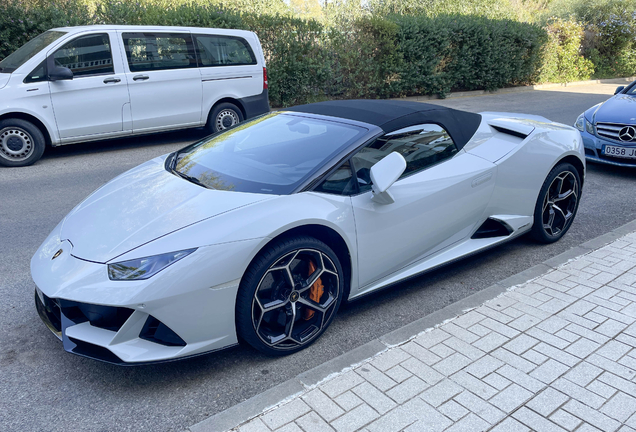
255, 105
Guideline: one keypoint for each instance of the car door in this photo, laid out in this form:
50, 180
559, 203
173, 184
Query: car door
438, 200
163, 80
92, 103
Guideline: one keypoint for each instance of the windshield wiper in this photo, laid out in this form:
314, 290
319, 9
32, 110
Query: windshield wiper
191, 179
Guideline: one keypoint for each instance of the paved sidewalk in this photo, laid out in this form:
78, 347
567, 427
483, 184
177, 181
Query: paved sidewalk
557, 353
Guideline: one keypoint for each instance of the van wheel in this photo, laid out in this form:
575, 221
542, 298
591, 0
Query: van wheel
224, 116
21, 143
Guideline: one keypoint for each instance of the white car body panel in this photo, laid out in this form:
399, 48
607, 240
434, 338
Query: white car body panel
431, 223
86, 108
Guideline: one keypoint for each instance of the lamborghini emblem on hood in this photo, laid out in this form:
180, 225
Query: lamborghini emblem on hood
57, 254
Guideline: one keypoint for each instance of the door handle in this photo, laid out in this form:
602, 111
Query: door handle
140, 77
111, 80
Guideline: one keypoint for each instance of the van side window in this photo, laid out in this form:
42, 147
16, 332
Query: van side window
422, 146
86, 55
158, 51
38, 74
216, 50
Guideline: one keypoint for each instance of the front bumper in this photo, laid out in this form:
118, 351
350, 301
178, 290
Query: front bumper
594, 147
185, 310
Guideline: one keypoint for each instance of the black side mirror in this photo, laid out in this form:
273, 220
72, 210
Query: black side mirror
619, 89
57, 73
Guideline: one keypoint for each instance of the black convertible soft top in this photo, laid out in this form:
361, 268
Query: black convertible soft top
392, 115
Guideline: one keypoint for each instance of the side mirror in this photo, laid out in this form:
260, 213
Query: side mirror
384, 174
60, 73
619, 89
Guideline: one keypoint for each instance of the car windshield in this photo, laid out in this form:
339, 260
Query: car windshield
272, 154
28, 50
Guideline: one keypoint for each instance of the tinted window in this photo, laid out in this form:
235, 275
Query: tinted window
38, 74
157, 51
339, 182
272, 154
422, 146
223, 51
28, 50
87, 55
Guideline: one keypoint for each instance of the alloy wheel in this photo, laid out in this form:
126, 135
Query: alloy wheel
560, 203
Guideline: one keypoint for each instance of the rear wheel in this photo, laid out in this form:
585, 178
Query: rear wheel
289, 295
224, 116
21, 143
557, 204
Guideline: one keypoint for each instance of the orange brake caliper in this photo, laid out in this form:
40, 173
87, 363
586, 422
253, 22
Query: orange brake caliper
315, 292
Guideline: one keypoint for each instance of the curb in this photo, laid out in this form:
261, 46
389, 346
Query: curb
256, 405
518, 89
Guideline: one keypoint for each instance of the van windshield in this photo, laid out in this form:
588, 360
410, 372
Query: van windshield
28, 50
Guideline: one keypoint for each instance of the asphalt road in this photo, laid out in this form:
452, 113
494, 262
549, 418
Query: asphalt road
42, 388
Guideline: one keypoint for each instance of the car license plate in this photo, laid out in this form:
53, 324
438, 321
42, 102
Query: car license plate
622, 152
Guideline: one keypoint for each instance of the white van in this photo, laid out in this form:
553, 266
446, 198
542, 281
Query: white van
78, 84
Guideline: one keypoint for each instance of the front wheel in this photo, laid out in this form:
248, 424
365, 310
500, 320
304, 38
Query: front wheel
224, 116
557, 204
289, 295
21, 143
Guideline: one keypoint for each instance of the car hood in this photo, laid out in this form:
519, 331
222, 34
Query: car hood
4, 79
617, 109
140, 206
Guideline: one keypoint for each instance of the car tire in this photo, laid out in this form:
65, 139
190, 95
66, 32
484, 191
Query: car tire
21, 143
277, 318
223, 116
557, 204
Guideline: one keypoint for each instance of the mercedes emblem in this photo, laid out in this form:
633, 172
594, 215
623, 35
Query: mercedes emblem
628, 133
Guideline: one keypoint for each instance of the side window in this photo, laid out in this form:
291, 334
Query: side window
223, 51
86, 55
38, 74
339, 182
421, 146
158, 51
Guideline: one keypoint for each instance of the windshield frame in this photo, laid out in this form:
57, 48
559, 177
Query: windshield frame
23, 55
367, 133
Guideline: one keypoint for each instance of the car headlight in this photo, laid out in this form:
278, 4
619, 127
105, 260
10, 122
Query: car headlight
583, 125
144, 268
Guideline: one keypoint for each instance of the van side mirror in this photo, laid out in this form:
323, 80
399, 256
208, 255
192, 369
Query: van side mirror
55, 72
619, 89
384, 174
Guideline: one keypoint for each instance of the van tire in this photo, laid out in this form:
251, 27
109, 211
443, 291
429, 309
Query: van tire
223, 116
21, 143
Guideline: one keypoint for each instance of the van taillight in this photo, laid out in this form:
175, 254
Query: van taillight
264, 78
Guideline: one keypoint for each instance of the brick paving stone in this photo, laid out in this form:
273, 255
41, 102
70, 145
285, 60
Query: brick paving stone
524, 380
402, 416
587, 333
495, 315
479, 330
430, 421
470, 423
422, 371
478, 387
582, 348
453, 410
601, 389
499, 328
611, 366
611, 328
511, 398
583, 373
480, 407
512, 312
552, 324
322, 404
430, 338
567, 335
348, 400
490, 342
513, 360
535, 421
421, 353
375, 377
614, 315
614, 350
464, 348
255, 425
341, 384
460, 333
554, 305
389, 358
595, 317
442, 350
591, 416
407, 390
557, 354
452, 364
524, 322
291, 427
521, 344
441, 392
374, 398
497, 381
579, 393
510, 425
484, 366
548, 401
312, 422
549, 371
355, 419
535, 357
548, 338
285, 414
620, 407
398, 374
500, 303
565, 420
469, 319
628, 361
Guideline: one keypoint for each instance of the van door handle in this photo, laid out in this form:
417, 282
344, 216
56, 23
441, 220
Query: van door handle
111, 80
140, 77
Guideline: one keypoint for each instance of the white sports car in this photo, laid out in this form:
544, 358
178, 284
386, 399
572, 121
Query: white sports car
260, 232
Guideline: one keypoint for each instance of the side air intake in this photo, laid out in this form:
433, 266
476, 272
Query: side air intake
492, 228
511, 127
